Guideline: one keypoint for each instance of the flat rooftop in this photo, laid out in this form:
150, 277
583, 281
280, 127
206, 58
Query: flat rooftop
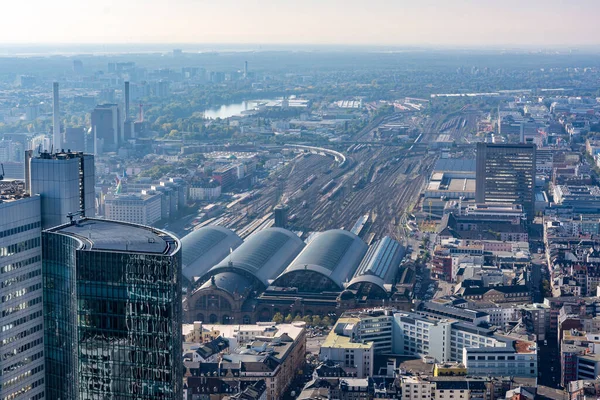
12, 190
336, 340
97, 234
461, 185
455, 165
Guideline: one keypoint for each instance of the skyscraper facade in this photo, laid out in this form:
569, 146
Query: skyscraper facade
106, 122
21, 314
65, 181
112, 306
506, 174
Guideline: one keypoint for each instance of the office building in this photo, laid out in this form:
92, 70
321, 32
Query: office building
139, 209
21, 319
65, 182
205, 190
517, 358
452, 388
75, 139
112, 311
506, 174
57, 139
280, 212
226, 175
441, 340
78, 67
357, 356
106, 127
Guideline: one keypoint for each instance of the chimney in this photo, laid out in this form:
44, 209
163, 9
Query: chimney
56, 135
126, 101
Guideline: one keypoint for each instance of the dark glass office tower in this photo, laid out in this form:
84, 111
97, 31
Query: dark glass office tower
112, 311
506, 174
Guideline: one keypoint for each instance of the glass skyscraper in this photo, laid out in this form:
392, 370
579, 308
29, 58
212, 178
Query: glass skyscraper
21, 314
112, 311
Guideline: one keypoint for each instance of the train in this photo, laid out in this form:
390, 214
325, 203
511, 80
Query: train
308, 182
327, 187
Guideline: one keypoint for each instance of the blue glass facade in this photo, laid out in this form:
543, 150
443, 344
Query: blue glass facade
112, 320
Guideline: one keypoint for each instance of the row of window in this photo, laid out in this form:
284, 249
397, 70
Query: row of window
15, 248
500, 358
20, 364
22, 320
20, 264
26, 389
21, 335
20, 229
21, 306
21, 292
20, 278
22, 377
21, 349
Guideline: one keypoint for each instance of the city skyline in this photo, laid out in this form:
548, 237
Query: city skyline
385, 22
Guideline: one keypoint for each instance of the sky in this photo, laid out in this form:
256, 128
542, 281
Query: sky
349, 22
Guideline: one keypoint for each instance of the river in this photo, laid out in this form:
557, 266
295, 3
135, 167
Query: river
229, 110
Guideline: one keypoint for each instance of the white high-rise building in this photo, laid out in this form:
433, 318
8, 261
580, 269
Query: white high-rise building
21, 313
65, 182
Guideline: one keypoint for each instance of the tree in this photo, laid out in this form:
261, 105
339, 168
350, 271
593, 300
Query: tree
316, 320
326, 321
307, 319
288, 319
546, 288
278, 318
297, 318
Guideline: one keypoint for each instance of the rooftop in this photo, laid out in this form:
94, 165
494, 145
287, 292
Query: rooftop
11, 190
456, 165
336, 340
334, 254
205, 247
97, 234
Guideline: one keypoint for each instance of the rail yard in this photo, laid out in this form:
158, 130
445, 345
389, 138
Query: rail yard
380, 182
369, 178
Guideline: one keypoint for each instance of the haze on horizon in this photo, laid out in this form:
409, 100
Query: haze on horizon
342, 22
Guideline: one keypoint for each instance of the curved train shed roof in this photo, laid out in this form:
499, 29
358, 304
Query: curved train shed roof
325, 263
262, 256
380, 265
204, 248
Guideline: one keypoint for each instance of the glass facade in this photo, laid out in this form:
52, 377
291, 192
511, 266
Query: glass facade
113, 321
21, 316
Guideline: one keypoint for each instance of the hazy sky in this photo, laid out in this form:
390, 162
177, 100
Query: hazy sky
390, 22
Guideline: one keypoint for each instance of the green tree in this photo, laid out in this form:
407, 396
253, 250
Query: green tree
278, 318
288, 319
326, 321
546, 288
307, 319
316, 320
297, 318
